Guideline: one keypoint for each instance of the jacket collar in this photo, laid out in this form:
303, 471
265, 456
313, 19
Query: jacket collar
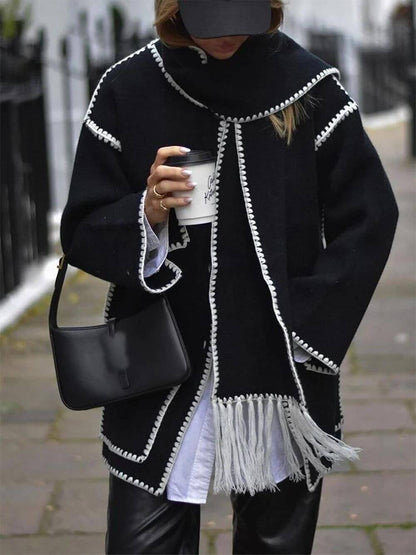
266, 74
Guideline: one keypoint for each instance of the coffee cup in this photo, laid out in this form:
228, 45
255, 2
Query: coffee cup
202, 209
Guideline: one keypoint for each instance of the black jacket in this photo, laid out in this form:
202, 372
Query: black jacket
313, 223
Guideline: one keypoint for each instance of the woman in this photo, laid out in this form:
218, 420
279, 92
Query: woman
268, 297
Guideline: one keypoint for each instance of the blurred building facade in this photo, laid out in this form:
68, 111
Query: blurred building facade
358, 21
367, 40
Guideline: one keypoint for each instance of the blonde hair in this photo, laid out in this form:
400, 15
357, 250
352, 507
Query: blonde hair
172, 32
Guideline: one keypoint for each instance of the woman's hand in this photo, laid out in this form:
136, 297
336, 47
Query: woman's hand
166, 179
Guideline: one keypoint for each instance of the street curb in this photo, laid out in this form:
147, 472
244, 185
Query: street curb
39, 280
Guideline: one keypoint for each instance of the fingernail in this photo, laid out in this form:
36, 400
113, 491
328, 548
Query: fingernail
184, 149
191, 185
188, 200
187, 173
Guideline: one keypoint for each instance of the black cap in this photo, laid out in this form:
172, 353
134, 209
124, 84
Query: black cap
220, 18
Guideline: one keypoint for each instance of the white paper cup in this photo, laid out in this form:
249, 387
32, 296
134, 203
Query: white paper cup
202, 209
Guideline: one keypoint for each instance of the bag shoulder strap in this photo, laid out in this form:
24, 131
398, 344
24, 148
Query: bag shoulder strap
53, 309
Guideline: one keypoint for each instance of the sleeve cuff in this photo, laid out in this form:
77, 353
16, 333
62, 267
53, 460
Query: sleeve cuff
168, 274
157, 246
152, 239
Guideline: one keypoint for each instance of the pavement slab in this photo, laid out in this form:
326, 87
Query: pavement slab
63, 544
21, 431
342, 541
38, 393
334, 541
388, 364
393, 386
51, 460
368, 498
397, 541
22, 507
388, 328
385, 451
18, 365
373, 415
80, 506
224, 543
79, 424
25, 346
13, 413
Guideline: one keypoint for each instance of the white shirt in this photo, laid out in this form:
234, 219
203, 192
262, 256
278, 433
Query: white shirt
191, 472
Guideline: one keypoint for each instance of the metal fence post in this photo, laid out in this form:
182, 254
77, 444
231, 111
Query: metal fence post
412, 79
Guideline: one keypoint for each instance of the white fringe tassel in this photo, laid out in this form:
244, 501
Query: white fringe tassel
243, 441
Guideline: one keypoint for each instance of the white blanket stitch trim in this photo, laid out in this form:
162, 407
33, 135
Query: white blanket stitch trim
185, 240
177, 271
296, 96
331, 364
102, 135
339, 427
336, 120
201, 52
109, 298
313, 486
178, 441
129, 479
319, 369
223, 130
341, 412
152, 436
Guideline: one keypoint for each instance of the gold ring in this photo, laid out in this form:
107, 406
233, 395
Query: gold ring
163, 206
158, 195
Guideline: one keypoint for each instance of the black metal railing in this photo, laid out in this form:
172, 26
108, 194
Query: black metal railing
328, 46
24, 167
383, 65
382, 87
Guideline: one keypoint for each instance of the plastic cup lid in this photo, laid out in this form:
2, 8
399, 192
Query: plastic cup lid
193, 157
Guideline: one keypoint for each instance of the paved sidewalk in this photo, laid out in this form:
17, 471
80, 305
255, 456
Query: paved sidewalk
54, 484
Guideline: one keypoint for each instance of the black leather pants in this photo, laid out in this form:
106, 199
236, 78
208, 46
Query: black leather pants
268, 522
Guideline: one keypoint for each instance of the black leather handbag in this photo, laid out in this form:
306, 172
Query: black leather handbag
117, 360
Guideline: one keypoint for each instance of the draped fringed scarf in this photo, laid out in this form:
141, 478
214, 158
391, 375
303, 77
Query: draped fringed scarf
255, 375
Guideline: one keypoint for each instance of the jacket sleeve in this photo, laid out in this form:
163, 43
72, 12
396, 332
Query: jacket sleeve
359, 217
103, 223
